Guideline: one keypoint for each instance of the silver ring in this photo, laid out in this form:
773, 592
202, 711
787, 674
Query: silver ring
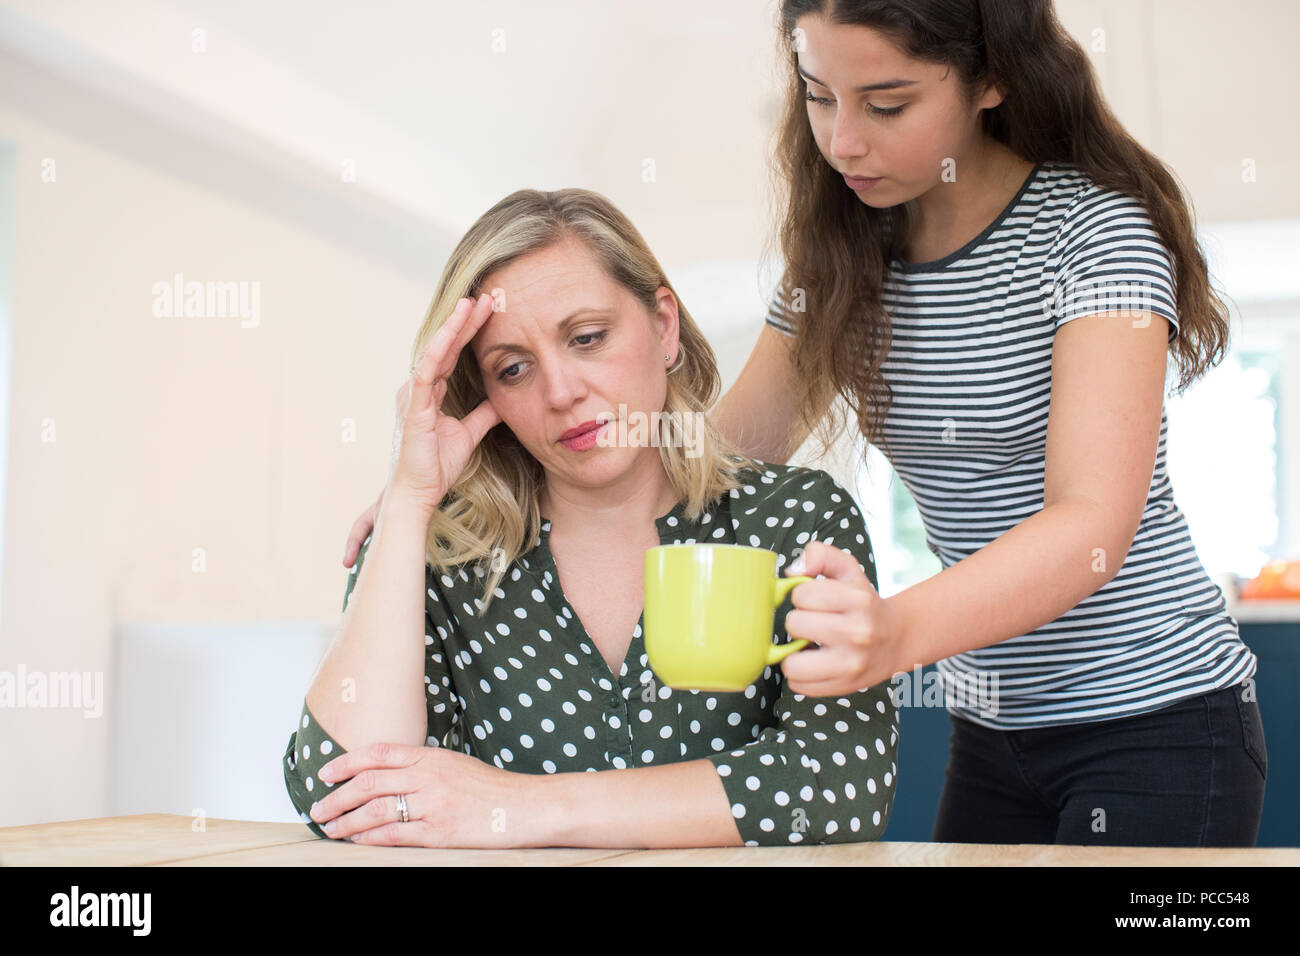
401, 807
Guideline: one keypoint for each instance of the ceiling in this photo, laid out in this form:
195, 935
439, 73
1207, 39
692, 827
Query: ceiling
439, 110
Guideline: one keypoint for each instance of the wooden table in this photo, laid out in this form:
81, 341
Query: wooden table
164, 839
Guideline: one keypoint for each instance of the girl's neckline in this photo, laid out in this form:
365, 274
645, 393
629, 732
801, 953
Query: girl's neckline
936, 265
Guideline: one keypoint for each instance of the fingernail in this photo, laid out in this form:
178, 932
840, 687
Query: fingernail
331, 828
796, 566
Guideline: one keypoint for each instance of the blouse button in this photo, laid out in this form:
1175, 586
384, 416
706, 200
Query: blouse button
613, 700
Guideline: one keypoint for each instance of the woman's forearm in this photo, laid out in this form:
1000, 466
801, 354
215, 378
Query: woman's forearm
669, 805
1026, 577
370, 686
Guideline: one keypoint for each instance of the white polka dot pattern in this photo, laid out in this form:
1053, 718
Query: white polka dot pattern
523, 687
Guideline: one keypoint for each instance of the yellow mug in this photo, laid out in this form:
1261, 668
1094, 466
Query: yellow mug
709, 614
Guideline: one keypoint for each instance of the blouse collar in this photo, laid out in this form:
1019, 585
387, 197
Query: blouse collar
668, 525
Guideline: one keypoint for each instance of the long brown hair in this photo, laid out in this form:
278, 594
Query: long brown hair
836, 248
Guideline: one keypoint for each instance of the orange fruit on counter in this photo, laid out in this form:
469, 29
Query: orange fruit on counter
1277, 579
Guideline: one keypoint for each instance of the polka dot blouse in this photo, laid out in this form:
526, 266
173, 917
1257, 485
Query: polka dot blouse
525, 688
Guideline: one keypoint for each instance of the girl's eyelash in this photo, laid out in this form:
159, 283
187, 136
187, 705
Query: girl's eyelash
822, 101
598, 336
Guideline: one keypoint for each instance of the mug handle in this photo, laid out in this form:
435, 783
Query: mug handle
783, 586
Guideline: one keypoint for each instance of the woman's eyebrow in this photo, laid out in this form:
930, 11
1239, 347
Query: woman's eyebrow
571, 319
887, 85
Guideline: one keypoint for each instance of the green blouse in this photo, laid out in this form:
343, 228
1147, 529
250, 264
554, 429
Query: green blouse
523, 687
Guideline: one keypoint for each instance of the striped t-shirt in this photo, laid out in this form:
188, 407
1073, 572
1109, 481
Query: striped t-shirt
970, 366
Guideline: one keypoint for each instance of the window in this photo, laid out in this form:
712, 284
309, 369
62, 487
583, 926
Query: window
1225, 461
897, 534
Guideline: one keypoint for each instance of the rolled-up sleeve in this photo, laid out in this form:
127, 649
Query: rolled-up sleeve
826, 772
311, 747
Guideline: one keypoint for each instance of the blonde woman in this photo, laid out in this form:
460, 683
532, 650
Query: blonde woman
489, 686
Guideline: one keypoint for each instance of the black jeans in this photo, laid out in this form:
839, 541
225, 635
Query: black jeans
1190, 774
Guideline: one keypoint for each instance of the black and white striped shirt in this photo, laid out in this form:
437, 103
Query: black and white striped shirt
970, 366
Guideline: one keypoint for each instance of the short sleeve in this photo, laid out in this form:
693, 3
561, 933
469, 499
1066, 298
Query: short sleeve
826, 772
779, 313
1108, 257
311, 747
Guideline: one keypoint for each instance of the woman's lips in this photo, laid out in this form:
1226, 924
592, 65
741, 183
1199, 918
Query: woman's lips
584, 440
579, 429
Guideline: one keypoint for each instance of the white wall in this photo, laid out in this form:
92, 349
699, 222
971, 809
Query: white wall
173, 434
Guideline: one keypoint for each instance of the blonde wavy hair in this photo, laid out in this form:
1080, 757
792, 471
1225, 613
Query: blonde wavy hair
491, 516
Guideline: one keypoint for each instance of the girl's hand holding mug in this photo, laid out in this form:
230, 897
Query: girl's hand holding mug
861, 634
432, 449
